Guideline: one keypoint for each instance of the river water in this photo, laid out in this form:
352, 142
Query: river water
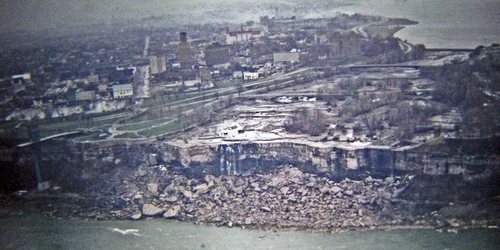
442, 23
32, 231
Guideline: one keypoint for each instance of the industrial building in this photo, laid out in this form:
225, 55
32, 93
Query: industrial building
243, 36
184, 52
216, 54
122, 91
287, 57
157, 64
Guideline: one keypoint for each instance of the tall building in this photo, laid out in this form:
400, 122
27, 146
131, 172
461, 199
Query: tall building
158, 64
184, 52
347, 43
217, 54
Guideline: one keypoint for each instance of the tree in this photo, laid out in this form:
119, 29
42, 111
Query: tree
179, 114
240, 88
306, 121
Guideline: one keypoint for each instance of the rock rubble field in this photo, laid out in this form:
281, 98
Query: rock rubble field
285, 198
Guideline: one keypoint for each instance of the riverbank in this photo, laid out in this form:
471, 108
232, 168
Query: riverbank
34, 231
285, 199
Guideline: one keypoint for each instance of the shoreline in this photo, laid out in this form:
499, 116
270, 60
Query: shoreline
284, 200
11, 212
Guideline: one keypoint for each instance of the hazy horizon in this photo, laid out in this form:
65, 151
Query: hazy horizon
43, 14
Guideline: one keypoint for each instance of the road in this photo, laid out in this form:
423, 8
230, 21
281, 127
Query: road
406, 47
146, 47
207, 101
359, 30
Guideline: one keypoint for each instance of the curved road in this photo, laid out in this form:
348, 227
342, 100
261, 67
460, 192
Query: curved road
406, 47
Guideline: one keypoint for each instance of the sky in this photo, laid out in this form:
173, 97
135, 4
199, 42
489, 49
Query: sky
40, 14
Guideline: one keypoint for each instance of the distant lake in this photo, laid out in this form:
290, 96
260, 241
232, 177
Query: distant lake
442, 23
32, 231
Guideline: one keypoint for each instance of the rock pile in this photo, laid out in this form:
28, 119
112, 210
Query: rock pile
285, 198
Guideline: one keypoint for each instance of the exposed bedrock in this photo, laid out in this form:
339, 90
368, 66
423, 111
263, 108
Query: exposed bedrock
74, 165
448, 180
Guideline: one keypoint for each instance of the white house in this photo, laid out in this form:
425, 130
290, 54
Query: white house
250, 75
122, 91
237, 75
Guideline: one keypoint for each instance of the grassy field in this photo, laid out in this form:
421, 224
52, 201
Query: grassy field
127, 136
163, 129
143, 124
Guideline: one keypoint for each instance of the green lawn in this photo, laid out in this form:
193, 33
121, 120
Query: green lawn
127, 136
163, 129
142, 125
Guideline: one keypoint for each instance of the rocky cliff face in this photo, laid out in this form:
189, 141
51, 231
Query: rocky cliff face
441, 184
74, 165
452, 157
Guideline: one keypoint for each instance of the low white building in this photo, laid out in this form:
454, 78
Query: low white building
19, 79
250, 75
243, 36
25, 76
237, 74
123, 91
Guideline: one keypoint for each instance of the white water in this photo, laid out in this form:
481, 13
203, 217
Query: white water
228, 158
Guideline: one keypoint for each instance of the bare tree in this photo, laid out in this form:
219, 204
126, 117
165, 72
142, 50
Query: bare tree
306, 121
240, 88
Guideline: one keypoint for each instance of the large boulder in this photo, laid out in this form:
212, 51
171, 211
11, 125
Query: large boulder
172, 212
152, 159
284, 190
248, 221
136, 216
238, 190
151, 210
171, 198
201, 188
266, 209
187, 194
153, 187
335, 190
209, 178
324, 189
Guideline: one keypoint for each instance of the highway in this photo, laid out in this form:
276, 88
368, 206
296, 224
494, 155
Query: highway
49, 138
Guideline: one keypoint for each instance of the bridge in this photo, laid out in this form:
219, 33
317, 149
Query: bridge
367, 66
449, 50
22, 145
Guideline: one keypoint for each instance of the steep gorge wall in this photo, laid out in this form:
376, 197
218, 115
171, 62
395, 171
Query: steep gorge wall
336, 162
76, 165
